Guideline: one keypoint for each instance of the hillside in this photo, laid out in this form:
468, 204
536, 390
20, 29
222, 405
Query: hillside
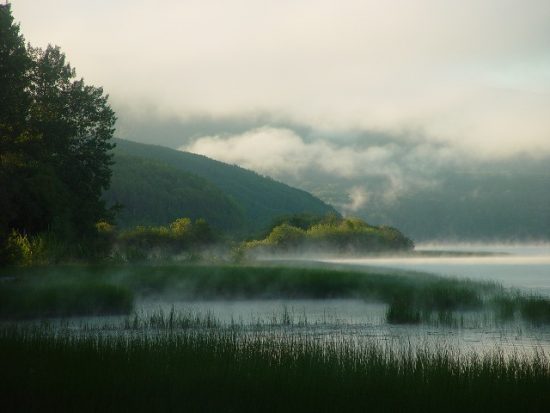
154, 193
157, 184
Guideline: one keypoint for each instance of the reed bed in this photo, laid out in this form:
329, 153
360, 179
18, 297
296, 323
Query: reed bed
174, 362
411, 297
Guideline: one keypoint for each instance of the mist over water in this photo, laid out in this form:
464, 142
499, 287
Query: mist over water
526, 267
523, 266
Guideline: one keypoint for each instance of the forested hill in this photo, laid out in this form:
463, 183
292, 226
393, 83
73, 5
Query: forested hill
154, 193
157, 184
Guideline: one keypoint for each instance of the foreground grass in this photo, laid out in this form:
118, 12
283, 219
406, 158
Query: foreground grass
222, 370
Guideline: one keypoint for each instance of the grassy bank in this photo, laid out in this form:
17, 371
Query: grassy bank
411, 297
54, 290
224, 371
51, 296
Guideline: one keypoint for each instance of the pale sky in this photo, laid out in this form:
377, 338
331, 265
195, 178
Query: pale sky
469, 77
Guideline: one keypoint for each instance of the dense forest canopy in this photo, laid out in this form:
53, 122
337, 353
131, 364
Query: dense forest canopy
55, 138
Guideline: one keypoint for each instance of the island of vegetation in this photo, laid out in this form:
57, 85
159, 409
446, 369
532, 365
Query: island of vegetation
307, 234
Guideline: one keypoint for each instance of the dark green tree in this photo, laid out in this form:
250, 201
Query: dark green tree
15, 67
55, 142
75, 124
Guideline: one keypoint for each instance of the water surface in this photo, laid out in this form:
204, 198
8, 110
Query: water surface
526, 267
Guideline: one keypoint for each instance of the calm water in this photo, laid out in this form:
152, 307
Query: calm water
360, 320
518, 266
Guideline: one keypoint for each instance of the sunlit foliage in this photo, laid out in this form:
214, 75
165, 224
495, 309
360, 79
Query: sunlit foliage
332, 234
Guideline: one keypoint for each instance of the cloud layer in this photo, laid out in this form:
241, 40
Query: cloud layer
281, 151
470, 75
379, 172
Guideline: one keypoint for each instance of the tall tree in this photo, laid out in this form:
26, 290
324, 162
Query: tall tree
15, 66
76, 124
55, 141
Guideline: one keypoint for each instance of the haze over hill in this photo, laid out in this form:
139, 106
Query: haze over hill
499, 201
475, 204
157, 185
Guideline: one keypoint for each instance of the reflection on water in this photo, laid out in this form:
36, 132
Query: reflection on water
327, 320
526, 267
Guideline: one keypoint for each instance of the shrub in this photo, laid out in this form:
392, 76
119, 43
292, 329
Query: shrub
180, 236
18, 249
350, 235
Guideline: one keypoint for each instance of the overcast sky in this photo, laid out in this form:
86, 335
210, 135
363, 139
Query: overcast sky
276, 84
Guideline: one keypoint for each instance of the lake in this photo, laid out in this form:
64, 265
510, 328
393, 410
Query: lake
526, 267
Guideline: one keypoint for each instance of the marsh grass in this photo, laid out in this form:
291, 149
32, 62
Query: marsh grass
531, 308
402, 310
224, 370
110, 289
62, 297
172, 320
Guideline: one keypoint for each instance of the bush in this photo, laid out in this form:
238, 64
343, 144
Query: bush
350, 235
18, 249
286, 236
179, 237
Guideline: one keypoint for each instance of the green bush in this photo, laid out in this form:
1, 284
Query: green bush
19, 249
163, 242
349, 235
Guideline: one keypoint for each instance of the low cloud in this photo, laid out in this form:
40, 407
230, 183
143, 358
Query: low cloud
279, 152
358, 199
392, 169
266, 150
471, 75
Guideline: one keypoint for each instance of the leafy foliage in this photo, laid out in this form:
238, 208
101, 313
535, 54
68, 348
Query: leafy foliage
55, 136
179, 237
333, 234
